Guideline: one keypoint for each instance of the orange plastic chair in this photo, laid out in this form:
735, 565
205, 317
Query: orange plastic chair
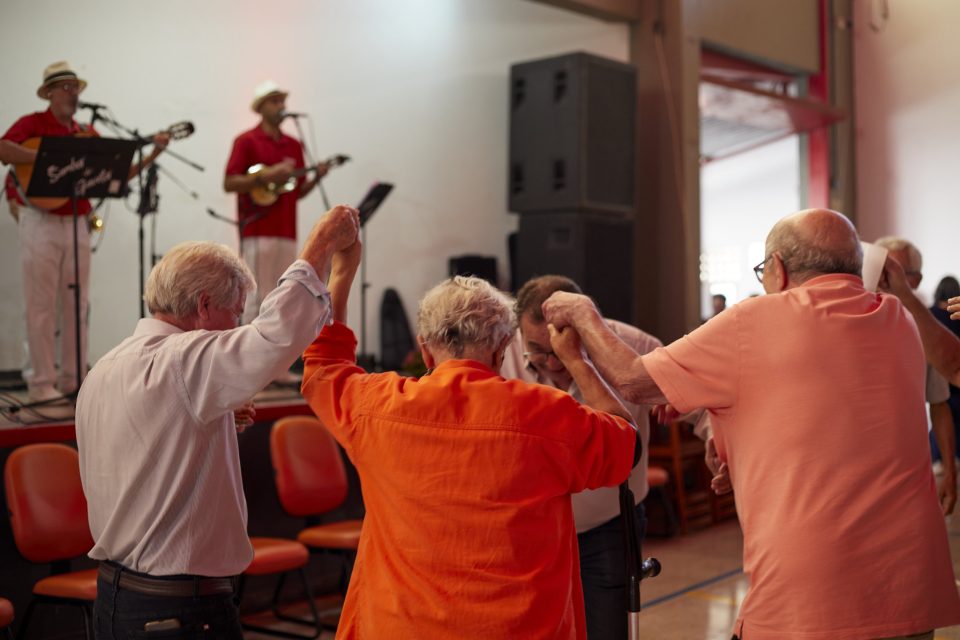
6, 617
277, 555
48, 515
311, 480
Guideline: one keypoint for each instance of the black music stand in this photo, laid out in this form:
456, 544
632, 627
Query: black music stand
80, 168
370, 203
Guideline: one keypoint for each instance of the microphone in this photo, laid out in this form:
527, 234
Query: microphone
91, 105
291, 114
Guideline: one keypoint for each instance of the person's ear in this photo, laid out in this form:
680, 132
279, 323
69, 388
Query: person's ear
781, 279
428, 358
500, 353
203, 306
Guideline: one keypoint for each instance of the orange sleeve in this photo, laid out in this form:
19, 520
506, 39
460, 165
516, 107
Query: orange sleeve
601, 445
332, 381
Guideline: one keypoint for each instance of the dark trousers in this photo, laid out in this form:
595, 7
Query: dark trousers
119, 614
604, 577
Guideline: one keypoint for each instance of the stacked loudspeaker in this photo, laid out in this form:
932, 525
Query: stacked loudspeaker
572, 168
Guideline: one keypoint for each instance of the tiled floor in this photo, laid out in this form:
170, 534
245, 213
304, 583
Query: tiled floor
697, 595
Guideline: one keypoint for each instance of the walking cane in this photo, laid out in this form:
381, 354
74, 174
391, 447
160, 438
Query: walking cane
637, 570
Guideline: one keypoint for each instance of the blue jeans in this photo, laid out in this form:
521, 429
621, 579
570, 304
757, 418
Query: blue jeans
119, 614
604, 577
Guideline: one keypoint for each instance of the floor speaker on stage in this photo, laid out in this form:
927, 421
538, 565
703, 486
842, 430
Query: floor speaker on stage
595, 250
474, 265
572, 135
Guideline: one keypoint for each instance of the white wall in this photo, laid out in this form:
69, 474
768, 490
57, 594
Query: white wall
907, 106
741, 198
415, 91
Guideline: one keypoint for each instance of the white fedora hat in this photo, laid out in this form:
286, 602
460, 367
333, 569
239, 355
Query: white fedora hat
58, 72
263, 91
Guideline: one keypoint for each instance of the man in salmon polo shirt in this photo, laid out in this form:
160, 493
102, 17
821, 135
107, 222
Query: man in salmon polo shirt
816, 394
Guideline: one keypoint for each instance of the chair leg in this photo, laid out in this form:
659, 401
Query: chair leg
87, 620
275, 603
22, 631
316, 622
275, 607
672, 523
85, 607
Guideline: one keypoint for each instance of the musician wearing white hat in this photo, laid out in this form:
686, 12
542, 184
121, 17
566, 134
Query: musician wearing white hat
266, 170
46, 241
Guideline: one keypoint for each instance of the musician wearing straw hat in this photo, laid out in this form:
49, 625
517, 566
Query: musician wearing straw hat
46, 239
263, 164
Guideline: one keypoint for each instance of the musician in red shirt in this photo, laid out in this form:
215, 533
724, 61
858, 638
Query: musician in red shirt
46, 243
268, 230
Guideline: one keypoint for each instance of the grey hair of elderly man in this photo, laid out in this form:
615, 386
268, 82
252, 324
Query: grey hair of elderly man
191, 269
811, 243
465, 317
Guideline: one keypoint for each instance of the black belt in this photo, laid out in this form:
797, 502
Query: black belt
173, 586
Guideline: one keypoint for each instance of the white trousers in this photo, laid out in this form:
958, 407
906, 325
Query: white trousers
268, 257
46, 260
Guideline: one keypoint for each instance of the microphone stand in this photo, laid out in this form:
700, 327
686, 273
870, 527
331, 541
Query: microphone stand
241, 223
306, 150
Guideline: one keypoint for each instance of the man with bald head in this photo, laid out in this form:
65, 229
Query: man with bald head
909, 257
816, 395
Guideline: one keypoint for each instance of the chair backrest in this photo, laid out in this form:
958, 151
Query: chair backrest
48, 511
308, 469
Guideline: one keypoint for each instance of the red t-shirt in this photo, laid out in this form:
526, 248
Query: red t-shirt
44, 124
256, 147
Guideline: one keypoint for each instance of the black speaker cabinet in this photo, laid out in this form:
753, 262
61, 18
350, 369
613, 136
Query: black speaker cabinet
572, 135
595, 250
473, 265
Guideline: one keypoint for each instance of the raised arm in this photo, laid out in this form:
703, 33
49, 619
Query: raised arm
228, 367
940, 345
345, 263
619, 365
596, 394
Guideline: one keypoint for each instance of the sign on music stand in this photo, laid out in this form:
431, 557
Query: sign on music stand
80, 168
374, 198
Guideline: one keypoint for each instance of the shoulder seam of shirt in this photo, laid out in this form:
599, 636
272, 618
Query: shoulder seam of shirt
188, 400
458, 425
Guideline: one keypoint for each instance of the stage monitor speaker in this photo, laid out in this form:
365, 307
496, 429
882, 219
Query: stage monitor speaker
595, 250
572, 142
474, 265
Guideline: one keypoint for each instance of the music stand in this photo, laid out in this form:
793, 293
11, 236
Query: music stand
75, 168
367, 207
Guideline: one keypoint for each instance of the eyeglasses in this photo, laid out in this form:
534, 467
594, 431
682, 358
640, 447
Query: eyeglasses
758, 270
539, 357
67, 87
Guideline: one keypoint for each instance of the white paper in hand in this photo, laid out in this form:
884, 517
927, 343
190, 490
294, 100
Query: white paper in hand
873, 258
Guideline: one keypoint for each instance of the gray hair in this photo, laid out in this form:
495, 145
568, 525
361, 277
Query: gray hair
191, 268
811, 247
464, 315
896, 243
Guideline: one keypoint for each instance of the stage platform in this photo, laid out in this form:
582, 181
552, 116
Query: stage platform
272, 403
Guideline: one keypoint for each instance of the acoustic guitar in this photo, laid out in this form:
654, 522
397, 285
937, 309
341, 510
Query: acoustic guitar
24, 170
266, 193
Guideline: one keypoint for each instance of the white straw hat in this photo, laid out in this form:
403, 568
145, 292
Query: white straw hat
57, 72
263, 91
